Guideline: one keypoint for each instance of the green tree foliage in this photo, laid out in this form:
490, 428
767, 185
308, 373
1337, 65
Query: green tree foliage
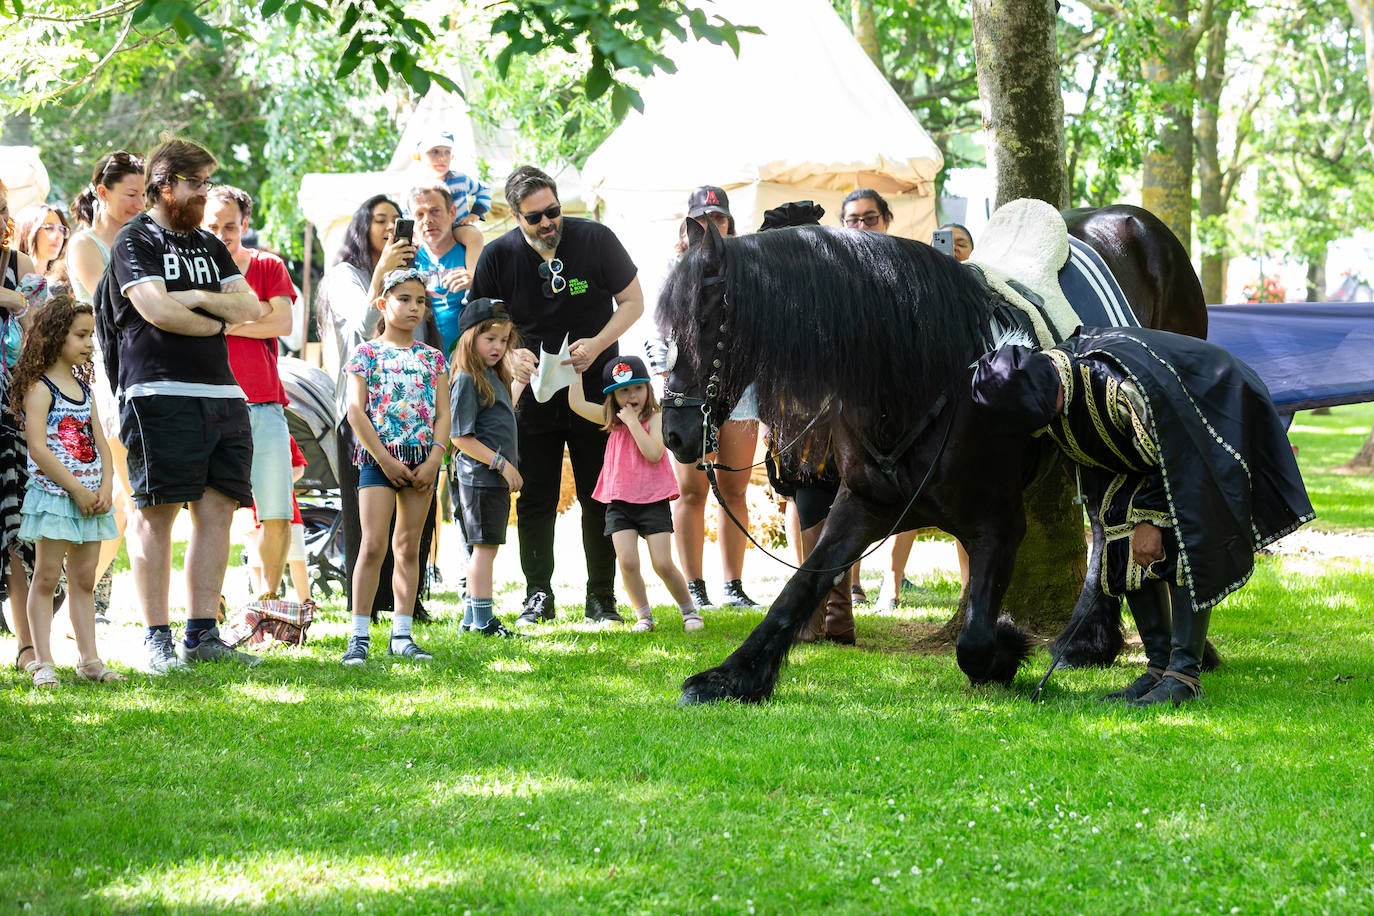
278, 88
1313, 183
926, 53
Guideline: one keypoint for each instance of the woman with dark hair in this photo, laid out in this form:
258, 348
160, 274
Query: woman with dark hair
738, 439
14, 584
114, 196
41, 233
346, 316
963, 240
865, 208
344, 306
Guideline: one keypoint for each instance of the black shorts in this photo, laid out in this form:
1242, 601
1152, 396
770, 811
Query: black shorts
645, 518
484, 513
179, 446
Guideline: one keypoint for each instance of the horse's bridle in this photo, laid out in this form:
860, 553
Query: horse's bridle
708, 404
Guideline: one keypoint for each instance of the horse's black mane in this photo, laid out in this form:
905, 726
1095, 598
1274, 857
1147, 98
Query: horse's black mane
877, 321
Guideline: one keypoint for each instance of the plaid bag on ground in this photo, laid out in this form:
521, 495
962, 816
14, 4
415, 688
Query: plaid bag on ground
267, 621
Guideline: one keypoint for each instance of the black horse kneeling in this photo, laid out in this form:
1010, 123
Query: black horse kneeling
867, 339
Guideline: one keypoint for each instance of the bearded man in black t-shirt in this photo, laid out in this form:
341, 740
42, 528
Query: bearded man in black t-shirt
169, 292
560, 276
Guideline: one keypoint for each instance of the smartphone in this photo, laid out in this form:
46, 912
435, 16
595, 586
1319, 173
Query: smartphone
405, 229
942, 240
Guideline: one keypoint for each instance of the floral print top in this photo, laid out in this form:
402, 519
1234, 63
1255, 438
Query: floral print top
400, 396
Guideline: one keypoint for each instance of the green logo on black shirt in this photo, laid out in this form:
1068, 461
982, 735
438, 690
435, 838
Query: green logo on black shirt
577, 287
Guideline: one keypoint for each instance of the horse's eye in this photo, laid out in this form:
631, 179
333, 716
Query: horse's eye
670, 359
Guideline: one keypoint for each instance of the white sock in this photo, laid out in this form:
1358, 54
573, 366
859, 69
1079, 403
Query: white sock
400, 626
361, 625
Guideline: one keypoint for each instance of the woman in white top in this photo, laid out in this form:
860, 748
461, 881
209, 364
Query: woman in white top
114, 196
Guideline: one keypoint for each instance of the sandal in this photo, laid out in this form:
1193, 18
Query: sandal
19, 663
97, 671
44, 673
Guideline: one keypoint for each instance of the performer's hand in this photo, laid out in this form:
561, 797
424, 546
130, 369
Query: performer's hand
1147, 544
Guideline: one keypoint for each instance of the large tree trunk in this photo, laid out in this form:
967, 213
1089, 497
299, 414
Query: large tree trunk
1167, 173
1023, 108
1363, 462
865, 32
1211, 208
1018, 78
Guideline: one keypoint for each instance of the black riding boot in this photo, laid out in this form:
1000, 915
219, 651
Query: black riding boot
1180, 683
1150, 608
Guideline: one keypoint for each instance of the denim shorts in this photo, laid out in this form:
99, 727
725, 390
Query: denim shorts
272, 483
748, 406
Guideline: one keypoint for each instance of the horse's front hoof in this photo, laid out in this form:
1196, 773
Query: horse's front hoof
712, 686
998, 661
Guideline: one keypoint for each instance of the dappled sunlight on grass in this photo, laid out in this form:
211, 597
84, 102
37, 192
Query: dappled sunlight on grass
260, 692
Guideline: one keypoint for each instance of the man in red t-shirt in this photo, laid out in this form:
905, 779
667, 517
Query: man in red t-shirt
253, 359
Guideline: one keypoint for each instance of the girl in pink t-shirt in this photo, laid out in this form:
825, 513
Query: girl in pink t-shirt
636, 484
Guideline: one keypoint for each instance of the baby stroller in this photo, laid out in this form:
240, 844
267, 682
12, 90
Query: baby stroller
310, 418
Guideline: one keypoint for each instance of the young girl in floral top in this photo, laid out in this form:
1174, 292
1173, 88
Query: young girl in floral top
398, 408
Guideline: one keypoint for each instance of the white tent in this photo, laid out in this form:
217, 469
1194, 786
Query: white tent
801, 114
25, 178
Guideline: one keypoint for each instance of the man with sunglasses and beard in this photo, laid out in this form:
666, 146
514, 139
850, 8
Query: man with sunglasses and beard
559, 276
169, 293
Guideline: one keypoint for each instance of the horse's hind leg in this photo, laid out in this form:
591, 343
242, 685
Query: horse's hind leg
751, 671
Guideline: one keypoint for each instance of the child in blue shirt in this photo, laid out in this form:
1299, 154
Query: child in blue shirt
435, 152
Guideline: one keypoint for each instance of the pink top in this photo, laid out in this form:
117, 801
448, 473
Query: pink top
628, 476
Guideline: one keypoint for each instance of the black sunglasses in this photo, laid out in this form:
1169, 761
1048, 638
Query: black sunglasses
551, 271
538, 216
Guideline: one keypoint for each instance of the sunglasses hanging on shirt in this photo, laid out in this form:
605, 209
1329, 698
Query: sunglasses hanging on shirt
551, 272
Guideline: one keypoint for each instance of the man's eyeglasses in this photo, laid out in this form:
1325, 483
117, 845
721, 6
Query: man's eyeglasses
197, 184
538, 216
552, 273
868, 222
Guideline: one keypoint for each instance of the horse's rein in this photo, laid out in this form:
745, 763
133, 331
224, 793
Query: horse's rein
710, 469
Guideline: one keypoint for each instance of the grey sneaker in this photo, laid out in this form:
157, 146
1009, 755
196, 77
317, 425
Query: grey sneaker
408, 649
213, 649
735, 596
162, 653
697, 589
356, 653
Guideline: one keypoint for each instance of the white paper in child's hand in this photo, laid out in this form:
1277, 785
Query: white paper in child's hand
552, 376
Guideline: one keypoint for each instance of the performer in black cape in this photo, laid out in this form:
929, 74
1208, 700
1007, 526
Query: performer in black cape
1179, 444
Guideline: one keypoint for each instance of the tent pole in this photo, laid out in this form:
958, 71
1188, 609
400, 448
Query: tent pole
305, 274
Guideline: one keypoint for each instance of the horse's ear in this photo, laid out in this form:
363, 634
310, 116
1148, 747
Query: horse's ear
712, 248
695, 232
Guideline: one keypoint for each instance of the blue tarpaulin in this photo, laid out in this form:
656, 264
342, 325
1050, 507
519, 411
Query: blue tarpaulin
1309, 354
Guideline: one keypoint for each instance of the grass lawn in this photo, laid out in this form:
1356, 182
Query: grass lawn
555, 774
